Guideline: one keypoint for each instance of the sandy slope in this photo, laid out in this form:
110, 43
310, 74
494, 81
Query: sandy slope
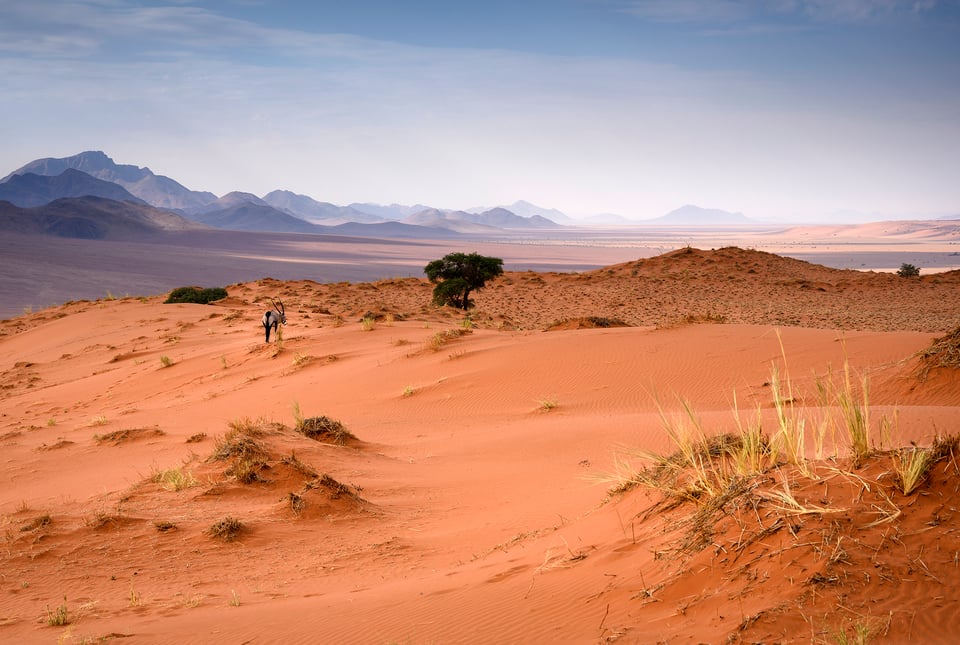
469, 508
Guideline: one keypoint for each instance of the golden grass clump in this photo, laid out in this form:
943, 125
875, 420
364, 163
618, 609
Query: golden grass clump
240, 446
912, 465
174, 479
58, 616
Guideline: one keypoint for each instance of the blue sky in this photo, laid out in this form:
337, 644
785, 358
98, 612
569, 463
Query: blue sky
795, 109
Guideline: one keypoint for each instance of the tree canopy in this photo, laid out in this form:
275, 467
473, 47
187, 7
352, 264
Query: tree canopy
457, 274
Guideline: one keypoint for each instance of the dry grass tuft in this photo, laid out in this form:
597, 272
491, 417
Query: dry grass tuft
296, 502
127, 434
240, 446
174, 479
294, 462
227, 529
441, 338
325, 429
912, 465
101, 519
36, 523
59, 616
335, 489
943, 352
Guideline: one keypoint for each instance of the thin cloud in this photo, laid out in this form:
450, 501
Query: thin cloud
735, 11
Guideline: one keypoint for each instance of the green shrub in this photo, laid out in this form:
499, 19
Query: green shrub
908, 271
197, 295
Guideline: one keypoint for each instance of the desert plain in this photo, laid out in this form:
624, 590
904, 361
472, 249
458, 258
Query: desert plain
518, 474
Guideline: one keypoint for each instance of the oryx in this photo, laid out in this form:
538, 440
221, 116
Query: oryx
273, 317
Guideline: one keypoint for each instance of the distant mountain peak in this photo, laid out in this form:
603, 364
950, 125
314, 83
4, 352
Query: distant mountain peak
525, 209
154, 189
692, 215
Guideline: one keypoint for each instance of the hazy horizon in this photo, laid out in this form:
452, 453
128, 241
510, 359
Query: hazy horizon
781, 110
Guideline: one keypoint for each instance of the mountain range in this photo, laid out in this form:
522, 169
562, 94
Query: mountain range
92, 218
55, 192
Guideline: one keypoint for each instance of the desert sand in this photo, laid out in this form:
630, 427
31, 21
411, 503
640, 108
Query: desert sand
488, 493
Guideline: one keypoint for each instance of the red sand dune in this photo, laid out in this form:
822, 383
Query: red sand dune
473, 505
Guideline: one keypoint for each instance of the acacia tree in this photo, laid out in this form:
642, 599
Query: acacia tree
457, 274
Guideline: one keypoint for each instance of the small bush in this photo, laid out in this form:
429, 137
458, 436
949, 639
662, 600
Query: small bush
227, 529
195, 295
908, 271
